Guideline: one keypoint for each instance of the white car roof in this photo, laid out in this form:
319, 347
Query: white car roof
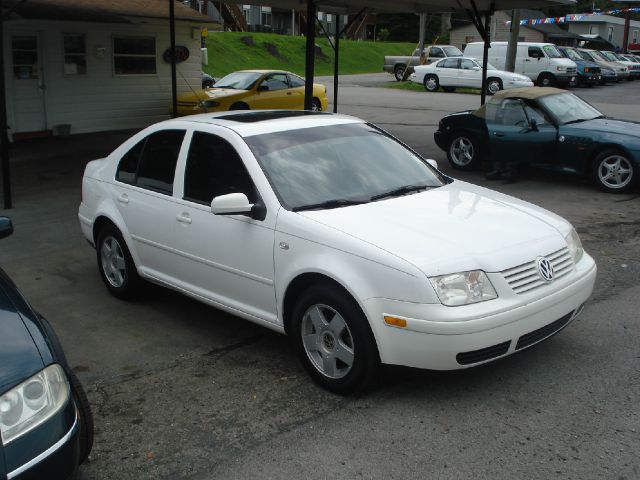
247, 123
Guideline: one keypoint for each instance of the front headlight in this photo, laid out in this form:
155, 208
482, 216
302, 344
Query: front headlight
575, 245
561, 68
208, 104
463, 288
32, 402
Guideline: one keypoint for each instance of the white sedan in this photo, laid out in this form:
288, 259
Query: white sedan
465, 72
328, 229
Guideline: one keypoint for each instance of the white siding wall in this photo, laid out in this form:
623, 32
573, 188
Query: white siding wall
101, 100
500, 32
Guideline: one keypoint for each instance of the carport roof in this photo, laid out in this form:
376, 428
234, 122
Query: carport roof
406, 6
106, 11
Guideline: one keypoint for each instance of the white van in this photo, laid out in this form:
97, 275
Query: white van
541, 62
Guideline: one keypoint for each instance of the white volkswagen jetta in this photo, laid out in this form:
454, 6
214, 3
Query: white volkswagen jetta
328, 229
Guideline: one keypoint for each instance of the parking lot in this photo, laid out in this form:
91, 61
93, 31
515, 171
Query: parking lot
182, 390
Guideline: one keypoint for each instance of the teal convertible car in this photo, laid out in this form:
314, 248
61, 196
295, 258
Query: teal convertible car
548, 128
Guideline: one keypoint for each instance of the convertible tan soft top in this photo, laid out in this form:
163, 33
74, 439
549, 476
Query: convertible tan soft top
528, 93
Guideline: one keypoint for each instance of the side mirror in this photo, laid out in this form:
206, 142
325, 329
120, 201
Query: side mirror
533, 125
6, 227
263, 88
231, 204
433, 163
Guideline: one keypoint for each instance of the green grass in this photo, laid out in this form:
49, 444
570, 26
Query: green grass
227, 53
414, 87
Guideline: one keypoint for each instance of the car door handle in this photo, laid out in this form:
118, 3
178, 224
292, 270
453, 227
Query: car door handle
123, 198
498, 134
183, 218
288, 93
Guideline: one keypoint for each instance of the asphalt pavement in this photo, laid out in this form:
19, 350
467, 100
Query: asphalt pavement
182, 390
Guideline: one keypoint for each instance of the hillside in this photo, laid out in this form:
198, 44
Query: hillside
230, 51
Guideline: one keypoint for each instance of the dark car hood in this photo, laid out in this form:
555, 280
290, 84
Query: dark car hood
610, 125
19, 356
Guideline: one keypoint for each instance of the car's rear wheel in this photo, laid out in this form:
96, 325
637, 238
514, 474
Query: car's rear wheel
494, 85
239, 106
398, 72
431, 83
463, 151
334, 340
316, 106
85, 415
117, 269
613, 171
546, 80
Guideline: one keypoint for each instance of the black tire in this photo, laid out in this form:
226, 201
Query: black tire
239, 106
619, 165
431, 83
546, 80
333, 302
458, 143
494, 85
316, 106
398, 72
449, 89
86, 416
125, 283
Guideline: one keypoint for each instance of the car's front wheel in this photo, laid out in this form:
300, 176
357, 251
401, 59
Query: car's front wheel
334, 340
613, 171
117, 269
463, 151
431, 83
546, 80
85, 416
494, 85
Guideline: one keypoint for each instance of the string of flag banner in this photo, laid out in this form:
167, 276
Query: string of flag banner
573, 17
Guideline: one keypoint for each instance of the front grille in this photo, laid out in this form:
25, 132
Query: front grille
571, 69
544, 332
467, 358
525, 278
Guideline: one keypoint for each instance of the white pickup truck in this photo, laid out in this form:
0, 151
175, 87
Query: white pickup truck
398, 64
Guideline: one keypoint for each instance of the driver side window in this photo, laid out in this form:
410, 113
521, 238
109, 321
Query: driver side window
535, 52
276, 81
511, 112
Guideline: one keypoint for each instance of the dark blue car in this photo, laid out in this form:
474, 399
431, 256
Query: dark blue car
588, 72
547, 128
46, 424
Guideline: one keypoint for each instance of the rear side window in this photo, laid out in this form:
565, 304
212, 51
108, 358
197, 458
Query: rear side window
151, 163
449, 63
436, 53
214, 168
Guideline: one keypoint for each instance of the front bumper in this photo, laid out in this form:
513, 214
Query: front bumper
50, 451
566, 78
440, 138
446, 338
589, 79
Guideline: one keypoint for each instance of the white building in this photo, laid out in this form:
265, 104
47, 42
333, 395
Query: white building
95, 64
607, 27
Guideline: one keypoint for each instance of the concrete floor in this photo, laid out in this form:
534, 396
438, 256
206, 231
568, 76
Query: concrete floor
181, 390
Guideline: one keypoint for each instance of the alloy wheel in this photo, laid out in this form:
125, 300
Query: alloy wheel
327, 341
615, 172
461, 151
113, 262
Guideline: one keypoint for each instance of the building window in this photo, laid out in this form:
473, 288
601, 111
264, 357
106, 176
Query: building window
265, 18
610, 35
75, 54
635, 36
134, 55
25, 57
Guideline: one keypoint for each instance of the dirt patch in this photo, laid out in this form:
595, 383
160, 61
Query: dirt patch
248, 41
273, 50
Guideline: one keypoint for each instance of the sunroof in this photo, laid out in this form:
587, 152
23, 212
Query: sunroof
250, 117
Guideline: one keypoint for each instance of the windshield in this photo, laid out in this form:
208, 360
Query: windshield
567, 108
609, 56
339, 164
238, 80
452, 52
599, 56
572, 54
551, 51
586, 55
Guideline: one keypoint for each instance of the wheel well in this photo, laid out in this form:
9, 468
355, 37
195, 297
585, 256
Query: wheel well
399, 65
590, 163
244, 105
297, 286
495, 78
97, 226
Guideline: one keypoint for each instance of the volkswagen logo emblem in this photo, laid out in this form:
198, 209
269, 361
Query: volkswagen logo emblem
545, 269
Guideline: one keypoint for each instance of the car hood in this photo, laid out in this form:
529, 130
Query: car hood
19, 356
610, 125
210, 94
457, 227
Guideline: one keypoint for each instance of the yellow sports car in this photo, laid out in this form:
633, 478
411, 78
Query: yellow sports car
252, 90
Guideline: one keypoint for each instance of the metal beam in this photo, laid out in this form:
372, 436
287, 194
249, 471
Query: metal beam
172, 39
310, 54
336, 64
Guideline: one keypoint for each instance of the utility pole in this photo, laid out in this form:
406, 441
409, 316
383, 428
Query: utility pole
423, 21
512, 47
4, 140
